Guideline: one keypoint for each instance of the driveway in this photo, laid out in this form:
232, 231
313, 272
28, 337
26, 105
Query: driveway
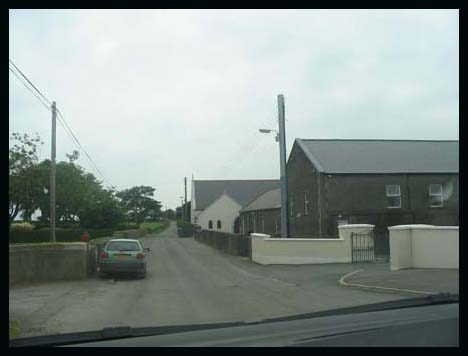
187, 282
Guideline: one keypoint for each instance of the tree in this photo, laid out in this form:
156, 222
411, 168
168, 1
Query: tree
169, 214
23, 182
80, 197
138, 203
104, 212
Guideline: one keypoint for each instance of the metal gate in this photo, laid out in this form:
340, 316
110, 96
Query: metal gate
362, 246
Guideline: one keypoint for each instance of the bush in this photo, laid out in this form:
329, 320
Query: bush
145, 229
125, 226
154, 226
23, 226
128, 234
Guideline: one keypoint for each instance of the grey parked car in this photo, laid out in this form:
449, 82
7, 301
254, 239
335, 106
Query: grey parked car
123, 256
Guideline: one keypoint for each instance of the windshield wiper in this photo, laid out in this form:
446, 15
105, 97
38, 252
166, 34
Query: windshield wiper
129, 332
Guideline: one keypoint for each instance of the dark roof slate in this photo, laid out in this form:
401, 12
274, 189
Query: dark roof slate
242, 191
268, 200
382, 156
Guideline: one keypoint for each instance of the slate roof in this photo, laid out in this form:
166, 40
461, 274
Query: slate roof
268, 200
382, 156
242, 191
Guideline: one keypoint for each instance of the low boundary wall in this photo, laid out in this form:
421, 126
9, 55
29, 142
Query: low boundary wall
424, 246
231, 244
47, 262
267, 250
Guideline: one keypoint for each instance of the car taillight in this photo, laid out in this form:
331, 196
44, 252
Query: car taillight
104, 255
140, 256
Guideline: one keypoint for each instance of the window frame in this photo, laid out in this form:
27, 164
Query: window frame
387, 195
210, 225
436, 195
291, 204
218, 224
306, 204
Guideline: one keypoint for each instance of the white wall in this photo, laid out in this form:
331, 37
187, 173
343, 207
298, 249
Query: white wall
266, 250
424, 246
225, 209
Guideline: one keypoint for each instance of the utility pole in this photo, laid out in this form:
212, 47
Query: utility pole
185, 206
52, 174
284, 186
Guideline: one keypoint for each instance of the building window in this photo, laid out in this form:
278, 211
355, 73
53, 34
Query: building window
276, 226
306, 204
393, 196
243, 225
291, 203
263, 224
218, 224
210, 225
254, 223
436, 199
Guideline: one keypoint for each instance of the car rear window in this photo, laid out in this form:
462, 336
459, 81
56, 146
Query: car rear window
123, 246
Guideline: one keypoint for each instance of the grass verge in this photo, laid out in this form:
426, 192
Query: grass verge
154, 227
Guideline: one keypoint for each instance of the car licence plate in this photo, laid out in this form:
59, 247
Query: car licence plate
122, 257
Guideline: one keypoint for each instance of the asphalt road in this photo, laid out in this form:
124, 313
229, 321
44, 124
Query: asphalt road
187, 283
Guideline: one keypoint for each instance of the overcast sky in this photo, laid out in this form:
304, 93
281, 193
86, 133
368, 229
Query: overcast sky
157, 95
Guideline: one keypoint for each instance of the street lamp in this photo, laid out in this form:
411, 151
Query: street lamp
281, 138
268, 131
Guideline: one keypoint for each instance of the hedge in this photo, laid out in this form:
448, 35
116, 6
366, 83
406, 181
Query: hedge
61, 235
74, 235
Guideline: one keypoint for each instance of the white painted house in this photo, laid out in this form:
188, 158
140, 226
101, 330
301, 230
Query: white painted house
215, 204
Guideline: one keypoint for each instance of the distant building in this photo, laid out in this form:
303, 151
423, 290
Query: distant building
380, 182
216, 203
263, 214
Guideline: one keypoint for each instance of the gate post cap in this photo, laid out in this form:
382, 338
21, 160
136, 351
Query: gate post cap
259, 235
354, 226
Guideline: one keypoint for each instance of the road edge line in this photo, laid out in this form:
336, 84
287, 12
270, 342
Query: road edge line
343, 282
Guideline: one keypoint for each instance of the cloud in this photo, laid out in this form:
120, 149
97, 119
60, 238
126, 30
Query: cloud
156, 95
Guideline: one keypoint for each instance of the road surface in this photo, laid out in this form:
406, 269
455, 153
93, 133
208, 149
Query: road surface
187, 283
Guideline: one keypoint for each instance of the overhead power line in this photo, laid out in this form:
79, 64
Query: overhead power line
82, 148
61, 118
25, 77
29, 89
